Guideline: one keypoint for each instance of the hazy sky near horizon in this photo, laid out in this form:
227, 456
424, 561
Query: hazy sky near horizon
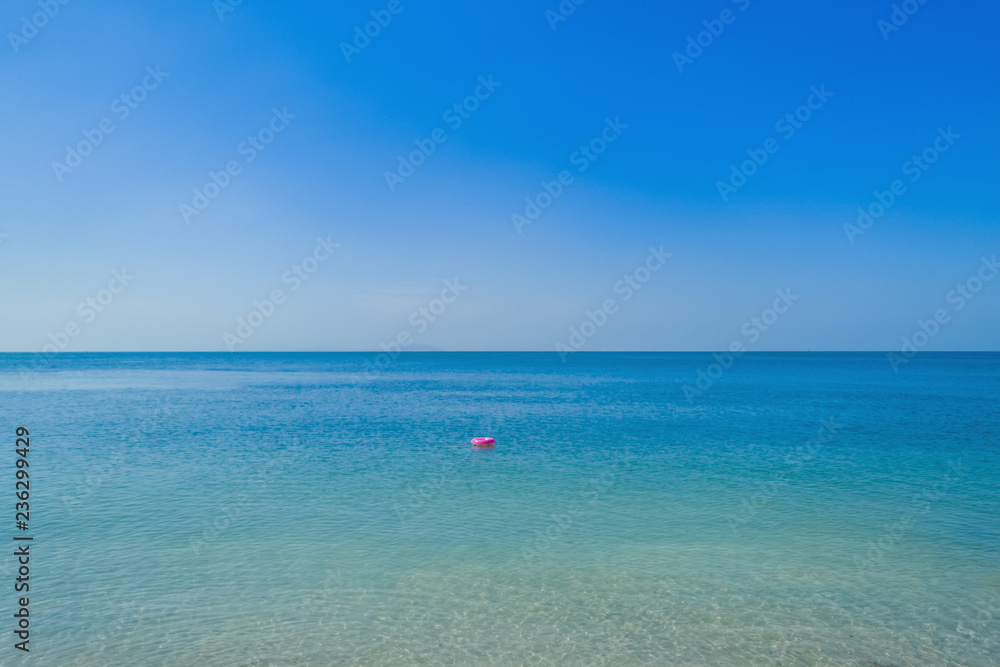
308, 129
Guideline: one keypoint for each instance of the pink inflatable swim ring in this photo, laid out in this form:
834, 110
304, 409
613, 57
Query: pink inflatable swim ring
482, 443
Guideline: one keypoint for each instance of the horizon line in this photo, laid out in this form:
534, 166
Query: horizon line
436, 351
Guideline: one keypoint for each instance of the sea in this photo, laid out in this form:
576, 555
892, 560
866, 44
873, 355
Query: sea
637, 509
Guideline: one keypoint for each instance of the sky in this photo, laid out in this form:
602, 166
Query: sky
498, 176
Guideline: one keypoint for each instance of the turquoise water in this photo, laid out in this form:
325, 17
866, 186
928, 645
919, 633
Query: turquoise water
805, 509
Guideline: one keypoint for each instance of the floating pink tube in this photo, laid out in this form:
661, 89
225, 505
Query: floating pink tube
483, 443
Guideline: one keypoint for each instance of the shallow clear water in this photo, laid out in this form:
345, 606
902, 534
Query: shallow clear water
288, 510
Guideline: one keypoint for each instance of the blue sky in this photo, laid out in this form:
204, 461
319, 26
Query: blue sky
344, 124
